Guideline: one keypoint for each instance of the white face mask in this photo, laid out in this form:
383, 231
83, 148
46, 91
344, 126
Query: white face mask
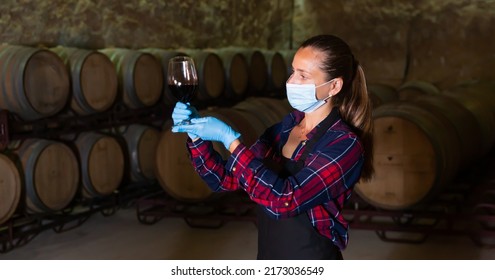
303, 97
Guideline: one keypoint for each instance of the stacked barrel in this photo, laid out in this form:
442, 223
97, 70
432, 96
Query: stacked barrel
40, 175
424, 138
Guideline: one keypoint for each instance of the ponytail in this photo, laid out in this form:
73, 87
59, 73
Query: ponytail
356, 110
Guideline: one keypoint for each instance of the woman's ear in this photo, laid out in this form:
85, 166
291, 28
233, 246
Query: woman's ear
335, 86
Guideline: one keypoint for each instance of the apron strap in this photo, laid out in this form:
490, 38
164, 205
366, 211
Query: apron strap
322, 129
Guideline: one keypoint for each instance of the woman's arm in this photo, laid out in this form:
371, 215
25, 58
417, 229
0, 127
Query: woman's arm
210, 165
328, 173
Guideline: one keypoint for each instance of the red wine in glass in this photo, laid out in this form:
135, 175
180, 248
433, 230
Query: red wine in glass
184, 93
182, 79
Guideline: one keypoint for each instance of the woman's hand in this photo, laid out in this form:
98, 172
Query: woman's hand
209, 128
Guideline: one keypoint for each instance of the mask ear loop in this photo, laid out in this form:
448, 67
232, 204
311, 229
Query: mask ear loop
326, 98
324, 83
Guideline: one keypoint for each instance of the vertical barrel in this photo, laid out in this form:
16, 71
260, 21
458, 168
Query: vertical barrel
93, 79
34, 83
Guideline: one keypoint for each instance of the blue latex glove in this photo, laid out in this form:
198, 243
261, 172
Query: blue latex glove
210, 128
184, 112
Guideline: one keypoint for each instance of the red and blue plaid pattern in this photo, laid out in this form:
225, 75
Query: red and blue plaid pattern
320, 189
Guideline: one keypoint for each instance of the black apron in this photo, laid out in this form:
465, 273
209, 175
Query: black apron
295, 238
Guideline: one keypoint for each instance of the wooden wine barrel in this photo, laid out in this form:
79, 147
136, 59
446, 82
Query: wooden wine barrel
210, 73
381, 94
10, 188
255, 120
141, 141
415, 157
164, 55
51, 174
280, 107
252, 104
174, 170
262, 112
239, 121
273, 110
253, 116
102, 163
258, 71
93, 78
412, 89
236, 73
140, 76
466, 126
277, 73
34, 82
288, 57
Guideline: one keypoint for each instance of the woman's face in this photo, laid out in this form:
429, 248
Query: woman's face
306, 70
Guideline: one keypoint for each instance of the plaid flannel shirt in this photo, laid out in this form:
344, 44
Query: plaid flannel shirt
320, 189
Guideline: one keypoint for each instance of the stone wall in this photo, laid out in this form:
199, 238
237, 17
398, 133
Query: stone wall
146, 23
440, 41
444, 42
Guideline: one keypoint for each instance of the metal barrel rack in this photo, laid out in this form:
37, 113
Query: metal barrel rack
11, 128
24, 226
467, 208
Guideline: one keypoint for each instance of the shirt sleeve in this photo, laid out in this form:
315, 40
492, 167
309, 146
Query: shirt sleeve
210, 164
328, 173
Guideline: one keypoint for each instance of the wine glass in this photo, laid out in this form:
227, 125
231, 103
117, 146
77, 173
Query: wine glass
182, 79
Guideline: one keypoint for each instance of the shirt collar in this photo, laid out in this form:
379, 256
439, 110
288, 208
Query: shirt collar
297, 116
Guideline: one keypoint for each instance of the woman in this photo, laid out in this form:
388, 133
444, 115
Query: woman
302, 170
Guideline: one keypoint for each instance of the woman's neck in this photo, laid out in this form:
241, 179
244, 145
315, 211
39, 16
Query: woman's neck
311, 120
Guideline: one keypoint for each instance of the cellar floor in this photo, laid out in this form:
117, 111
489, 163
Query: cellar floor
121, 237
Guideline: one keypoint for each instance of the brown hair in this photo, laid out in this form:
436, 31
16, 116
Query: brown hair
353, 101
